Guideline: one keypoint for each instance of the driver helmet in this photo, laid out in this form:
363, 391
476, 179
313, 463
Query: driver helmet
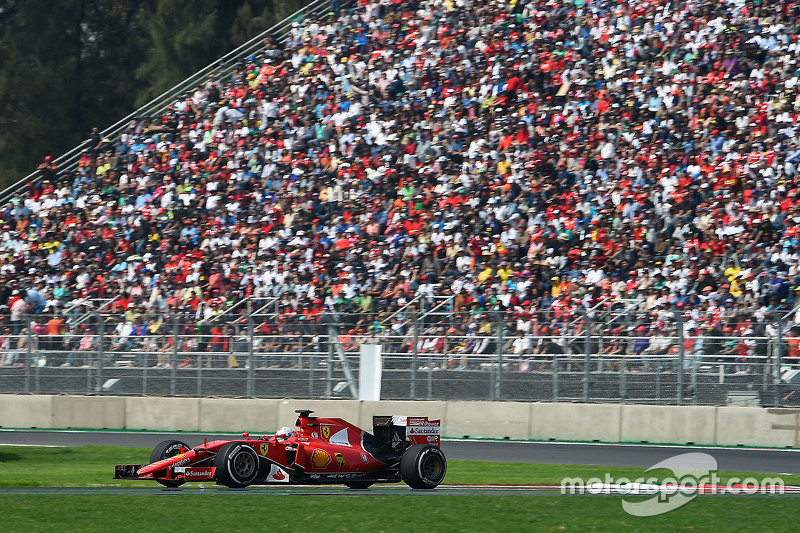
285, 433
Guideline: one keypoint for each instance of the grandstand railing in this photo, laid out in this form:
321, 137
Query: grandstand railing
479, 357
97, 305
241, 307
220, 67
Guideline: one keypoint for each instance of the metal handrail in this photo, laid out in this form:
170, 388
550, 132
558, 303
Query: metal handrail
433, 312
215, 318
265, 306
89, 313
222, 66
401, 310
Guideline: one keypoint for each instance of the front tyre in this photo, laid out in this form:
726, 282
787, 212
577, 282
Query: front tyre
165, 450
237, 465
423, 466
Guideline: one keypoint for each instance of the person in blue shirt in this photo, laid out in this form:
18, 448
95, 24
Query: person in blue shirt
35, 300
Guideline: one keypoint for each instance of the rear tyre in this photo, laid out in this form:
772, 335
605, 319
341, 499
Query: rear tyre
423, 466
165, 450
237, 465
359, 485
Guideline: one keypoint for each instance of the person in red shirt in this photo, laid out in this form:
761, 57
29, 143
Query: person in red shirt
220, 342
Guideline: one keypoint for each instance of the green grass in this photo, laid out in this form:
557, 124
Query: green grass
363, 513
352, 511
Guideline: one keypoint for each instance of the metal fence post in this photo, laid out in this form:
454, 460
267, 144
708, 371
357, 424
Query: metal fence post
623, 377
587, 355
778, 357
28, 355
173, 372
101, 326
251, 364
681, 357
145, 354
695, 364
555, 377
431, 364
414, 353
89, 365
329, 366
199, 330
498, 383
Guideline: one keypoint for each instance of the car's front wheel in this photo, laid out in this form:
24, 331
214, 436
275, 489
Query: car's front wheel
236, 465
165, 450
423, 466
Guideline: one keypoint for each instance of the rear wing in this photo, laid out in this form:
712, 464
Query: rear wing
414, 429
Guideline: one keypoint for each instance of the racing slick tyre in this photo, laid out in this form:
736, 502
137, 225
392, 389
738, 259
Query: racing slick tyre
359, 485
164, 450
423, 466
237, 465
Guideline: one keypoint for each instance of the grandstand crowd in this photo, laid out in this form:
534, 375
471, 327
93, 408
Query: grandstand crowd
531, 158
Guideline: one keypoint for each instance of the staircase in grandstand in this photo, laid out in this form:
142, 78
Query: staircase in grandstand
219, 68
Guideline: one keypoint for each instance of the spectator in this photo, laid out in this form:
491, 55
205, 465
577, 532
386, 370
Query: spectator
79, 355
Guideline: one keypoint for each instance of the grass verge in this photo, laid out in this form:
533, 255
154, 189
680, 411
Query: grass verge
363, 513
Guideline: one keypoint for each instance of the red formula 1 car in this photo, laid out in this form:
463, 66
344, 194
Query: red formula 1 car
318, 451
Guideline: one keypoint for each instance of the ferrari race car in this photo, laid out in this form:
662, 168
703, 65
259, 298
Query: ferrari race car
318, 451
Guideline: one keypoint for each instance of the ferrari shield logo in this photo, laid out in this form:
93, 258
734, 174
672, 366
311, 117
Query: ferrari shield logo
326, 432
339, 459
263, 448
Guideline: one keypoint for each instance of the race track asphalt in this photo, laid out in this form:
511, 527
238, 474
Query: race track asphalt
783, 461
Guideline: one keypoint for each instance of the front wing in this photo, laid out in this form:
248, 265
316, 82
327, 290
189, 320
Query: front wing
186, 473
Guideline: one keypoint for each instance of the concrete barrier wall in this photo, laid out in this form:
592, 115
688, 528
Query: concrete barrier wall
572, 421
26, 411
162, 414
725, 426
487, 420
238, 416
659, 423
754, 426
100, 412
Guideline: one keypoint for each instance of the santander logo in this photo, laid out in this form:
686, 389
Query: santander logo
279, 475
199, 473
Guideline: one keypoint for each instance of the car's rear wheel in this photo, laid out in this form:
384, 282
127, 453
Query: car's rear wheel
423, 466
165, 450
359, 485
236, 465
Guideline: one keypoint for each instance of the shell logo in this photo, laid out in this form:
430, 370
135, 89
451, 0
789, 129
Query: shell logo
320, 458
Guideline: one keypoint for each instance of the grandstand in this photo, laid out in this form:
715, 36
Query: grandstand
560, 200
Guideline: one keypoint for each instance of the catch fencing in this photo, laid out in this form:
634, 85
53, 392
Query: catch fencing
426, 355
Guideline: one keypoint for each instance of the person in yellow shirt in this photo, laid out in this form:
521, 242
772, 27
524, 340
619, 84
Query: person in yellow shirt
560, 286
503, 166
732, 272
504, 272
485, 274
103, 166
735, 289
